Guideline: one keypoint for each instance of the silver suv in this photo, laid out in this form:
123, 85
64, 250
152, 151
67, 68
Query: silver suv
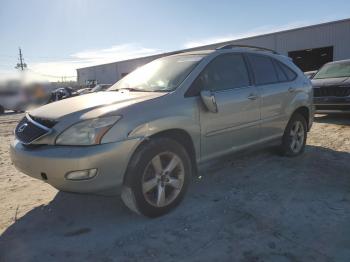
147, 134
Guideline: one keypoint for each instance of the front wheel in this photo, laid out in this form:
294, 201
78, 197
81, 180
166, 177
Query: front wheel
157, 177
294, 137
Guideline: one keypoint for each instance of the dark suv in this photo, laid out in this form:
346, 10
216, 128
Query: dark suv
331, 86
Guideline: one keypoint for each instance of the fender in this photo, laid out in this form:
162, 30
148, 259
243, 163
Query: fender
183, 123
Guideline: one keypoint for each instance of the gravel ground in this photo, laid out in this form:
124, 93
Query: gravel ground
253, 207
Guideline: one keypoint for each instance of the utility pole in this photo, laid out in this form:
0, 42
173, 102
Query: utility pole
21, 65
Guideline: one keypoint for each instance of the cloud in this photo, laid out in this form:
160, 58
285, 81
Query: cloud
56, 70
254, 32
114, 53
53, 70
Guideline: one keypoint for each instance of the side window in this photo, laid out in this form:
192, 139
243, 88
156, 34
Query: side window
282, 77
225, 72
263, 69
291, 75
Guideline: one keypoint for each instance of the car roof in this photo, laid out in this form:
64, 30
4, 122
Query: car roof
199, 52
228, 50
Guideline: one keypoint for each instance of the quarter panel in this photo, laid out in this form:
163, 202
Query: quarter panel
278, 104
275, 98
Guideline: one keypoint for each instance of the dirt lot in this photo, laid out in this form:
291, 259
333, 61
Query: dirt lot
256, 207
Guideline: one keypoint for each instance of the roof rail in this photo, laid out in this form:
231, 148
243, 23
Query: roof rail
229, 46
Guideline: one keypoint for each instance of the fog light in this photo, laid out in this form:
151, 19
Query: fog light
81, 174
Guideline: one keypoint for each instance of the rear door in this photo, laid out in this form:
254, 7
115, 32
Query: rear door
236, 124
274, 82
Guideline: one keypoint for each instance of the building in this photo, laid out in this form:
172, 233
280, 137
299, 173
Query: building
310, 47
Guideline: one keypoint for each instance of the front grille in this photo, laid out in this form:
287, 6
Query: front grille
333, 107
338, 91
27, 131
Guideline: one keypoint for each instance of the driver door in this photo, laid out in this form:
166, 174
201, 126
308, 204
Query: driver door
236, 123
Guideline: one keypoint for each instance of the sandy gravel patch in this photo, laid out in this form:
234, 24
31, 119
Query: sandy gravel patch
255, 207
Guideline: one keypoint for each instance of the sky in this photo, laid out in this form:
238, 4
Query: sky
59, 36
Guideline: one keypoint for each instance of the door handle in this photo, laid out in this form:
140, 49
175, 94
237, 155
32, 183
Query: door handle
291, 90
253, 97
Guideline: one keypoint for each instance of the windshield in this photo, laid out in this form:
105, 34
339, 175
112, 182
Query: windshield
164, 74
333, 71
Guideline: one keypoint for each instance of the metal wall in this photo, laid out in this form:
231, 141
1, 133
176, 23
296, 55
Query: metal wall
336, 34
111, 73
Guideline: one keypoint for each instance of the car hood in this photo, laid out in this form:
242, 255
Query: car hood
93, 105
331, 81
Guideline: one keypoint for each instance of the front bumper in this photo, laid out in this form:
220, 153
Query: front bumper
54, 162
332, 104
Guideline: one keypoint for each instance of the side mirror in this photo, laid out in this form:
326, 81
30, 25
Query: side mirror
209, 101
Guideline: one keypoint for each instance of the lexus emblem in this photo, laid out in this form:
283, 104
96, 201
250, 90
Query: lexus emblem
22, 127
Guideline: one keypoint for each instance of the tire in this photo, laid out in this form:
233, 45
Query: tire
2, 110
294, 137
157, 177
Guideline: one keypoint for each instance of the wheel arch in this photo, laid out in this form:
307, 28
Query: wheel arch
305, 112
182, 137
179, 135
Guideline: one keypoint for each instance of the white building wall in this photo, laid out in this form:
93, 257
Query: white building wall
336, 34
106, 74
333, 34
128, 66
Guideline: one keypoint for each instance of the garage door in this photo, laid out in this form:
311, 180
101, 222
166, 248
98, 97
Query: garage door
312, 59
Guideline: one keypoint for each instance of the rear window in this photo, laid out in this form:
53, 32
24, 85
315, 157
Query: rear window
281, 75
291, 75
263, 69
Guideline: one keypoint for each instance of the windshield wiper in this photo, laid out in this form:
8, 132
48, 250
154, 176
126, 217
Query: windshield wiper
130, 89
140, 90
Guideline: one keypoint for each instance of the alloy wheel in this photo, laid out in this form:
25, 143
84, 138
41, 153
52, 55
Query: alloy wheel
163, 179
297, 135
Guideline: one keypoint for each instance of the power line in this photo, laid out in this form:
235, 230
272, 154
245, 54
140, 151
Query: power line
41, 57
48, 75
22, 66
8, 56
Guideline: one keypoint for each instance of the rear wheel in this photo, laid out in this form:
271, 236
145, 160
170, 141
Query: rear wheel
157, 177
294, 137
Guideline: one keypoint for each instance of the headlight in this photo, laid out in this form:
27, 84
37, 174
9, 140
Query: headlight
88, 132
